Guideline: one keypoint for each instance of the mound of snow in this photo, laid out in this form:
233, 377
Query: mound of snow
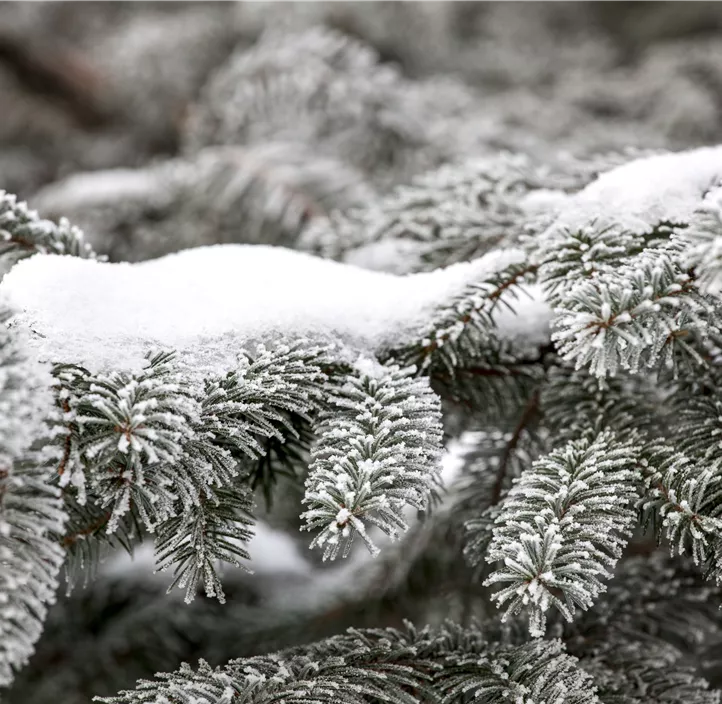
210, 303
644, 192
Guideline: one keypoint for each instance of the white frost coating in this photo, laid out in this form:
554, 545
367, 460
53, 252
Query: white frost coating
647, 191
209, 303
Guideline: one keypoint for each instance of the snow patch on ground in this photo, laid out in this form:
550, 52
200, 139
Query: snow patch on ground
211, 303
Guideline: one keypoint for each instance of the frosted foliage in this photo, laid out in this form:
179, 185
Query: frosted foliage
704, 236
23, 232
154, 447
30, 509
497, 313
322, 88
403, 667
456, 213
261, 193
615, 264
562, 528
629, 318
239, 413
377, 451
684, 494
129, 426
452, 214
204, 303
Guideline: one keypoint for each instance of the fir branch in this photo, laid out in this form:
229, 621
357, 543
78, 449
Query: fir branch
491, 466
131, 427
435, 665
704, 239
563, 526
376, 672
23, 233
640, 673
462, 329
243, 414
577, 403
31, 510
214, 531
597, 248
633, 317
655, 599
377, 451
684, 500
283, 457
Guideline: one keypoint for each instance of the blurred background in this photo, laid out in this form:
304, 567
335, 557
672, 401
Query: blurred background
161, 126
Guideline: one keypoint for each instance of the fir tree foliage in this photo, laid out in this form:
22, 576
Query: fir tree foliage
321, 87
575, 432
438, 666
455, 213
146, 447
23, 233
463, 327
377, 452
562, 528
31, 510
703, 236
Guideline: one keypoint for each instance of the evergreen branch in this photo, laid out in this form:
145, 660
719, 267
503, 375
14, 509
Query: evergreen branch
377, 451
131, 428
697, 416
640, 673
496, 461
436, 665
288, 457
455, 213
23, 233
704, 239
637, 637
155, 449
654, 599
570, 255
494, 390
577, 403
31, 510
563, 526
685, 499
375, 673
462, 329
257, 407
633, 317
530, 409
215, 530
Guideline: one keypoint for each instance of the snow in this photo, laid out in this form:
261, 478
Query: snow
273, 552
211, 303
641, 193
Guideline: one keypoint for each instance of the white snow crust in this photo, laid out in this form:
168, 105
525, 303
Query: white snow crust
644, 192
211, 303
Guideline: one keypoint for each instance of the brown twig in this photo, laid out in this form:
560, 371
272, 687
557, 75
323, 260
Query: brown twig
72, 538
530, 409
